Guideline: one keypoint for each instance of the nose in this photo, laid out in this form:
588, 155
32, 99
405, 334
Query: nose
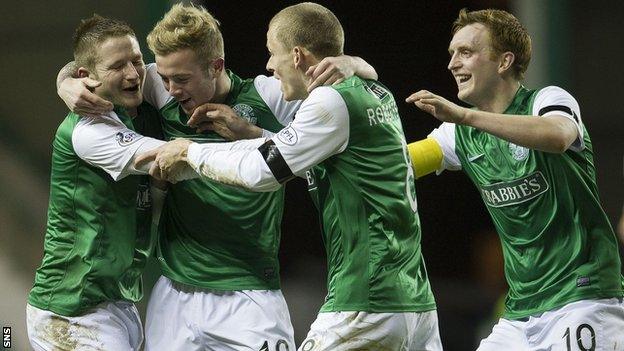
454, 62
174, 89
131, 72
269, 66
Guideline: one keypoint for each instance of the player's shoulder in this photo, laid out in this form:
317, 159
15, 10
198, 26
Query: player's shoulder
324, 96
266, 84
554, 98
553, 91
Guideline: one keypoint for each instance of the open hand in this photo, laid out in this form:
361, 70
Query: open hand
438, 107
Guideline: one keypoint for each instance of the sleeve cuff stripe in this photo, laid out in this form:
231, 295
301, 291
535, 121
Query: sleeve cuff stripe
551, 108
560, 108
276, 162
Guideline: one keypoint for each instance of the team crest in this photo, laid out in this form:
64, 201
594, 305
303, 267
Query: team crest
519, 153
126, 138
245, 111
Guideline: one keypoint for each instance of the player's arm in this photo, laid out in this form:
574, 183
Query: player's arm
436, 152
106, 143
77, 93
426, 156
553, 134
319, 131
224, 121
334, 70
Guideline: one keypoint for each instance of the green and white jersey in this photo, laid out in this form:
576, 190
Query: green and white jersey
558, 244
350, 138
98, 234
216, 236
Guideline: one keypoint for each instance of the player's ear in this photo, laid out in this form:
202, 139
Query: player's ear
218, 65
506, 61
301, 58
298, 56
82, 72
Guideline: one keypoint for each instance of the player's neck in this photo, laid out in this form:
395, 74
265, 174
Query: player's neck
502, 96
133, 112
222, 87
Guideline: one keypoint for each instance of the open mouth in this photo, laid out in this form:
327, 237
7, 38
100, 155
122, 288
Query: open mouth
132, 89
463, 78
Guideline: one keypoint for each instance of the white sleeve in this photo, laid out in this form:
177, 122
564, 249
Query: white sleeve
553, 100
154, 90
320, 130
105, 142
445, 136
270, 91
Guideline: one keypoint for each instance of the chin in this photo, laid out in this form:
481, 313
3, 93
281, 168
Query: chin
129, 103
464, 96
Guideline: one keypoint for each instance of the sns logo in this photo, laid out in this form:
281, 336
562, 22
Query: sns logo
288, 136
126, 138
6, 337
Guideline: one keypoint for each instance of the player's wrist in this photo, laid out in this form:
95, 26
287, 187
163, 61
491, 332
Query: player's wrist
253, 132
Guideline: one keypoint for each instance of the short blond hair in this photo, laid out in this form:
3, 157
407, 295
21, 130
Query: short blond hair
311, 26
506, 32
187, 27
91, 33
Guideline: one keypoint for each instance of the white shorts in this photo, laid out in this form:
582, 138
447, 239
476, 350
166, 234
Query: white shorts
583, 325
342, 331
109, 326
183, 317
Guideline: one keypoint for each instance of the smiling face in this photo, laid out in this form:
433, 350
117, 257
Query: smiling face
282, 64
121, 70
473, 64
186, 78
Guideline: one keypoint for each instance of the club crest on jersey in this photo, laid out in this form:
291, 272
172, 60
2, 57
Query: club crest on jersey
126, 138
519, 153
288, 136
245, 111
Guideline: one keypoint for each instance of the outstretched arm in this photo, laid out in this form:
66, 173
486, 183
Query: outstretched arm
426, 156
320, 130
553, 134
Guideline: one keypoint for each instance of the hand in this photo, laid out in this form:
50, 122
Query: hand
438, 107
77, 93
224, 121
168, 159
330, 70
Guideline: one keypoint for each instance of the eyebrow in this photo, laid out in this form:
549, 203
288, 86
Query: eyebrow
175, 76
120, 61
459, 48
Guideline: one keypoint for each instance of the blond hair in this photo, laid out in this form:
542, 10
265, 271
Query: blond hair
507, 34
311, 26
91, 33
187, 27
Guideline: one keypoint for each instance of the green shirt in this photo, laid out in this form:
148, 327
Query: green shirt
558, 244
98, 230
367, 204
213, 235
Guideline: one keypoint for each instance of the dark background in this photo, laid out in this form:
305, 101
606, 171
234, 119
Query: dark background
577, 46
